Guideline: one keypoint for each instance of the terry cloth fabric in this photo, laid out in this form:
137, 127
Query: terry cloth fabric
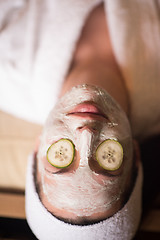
45, 226
37, 41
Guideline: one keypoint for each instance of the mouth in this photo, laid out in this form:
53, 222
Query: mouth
87, 111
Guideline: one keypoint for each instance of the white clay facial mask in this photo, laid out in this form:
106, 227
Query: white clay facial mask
87, 116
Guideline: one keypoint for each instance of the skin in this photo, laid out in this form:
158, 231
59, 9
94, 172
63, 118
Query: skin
94, 64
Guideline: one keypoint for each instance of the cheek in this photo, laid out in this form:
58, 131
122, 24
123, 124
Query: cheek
49, 187
48, 183
57, 124
48, 167
109, 131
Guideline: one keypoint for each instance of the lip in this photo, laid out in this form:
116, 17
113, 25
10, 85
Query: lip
87, 111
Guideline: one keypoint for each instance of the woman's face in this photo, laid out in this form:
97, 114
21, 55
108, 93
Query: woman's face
86, 115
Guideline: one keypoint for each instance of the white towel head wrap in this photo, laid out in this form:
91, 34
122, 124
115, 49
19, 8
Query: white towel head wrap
122, 225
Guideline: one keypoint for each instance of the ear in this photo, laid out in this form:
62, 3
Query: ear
136, 150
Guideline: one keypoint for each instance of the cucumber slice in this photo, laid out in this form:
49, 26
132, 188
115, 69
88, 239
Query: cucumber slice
61, 153
109, 155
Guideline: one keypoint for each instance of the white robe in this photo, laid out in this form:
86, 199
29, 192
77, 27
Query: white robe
37, 41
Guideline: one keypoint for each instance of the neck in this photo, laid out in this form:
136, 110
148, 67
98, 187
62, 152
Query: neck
94, 62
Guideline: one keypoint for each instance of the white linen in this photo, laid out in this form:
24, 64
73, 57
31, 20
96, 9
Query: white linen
36, 48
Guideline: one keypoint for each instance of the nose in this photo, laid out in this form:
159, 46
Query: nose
85, 142
87, 128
